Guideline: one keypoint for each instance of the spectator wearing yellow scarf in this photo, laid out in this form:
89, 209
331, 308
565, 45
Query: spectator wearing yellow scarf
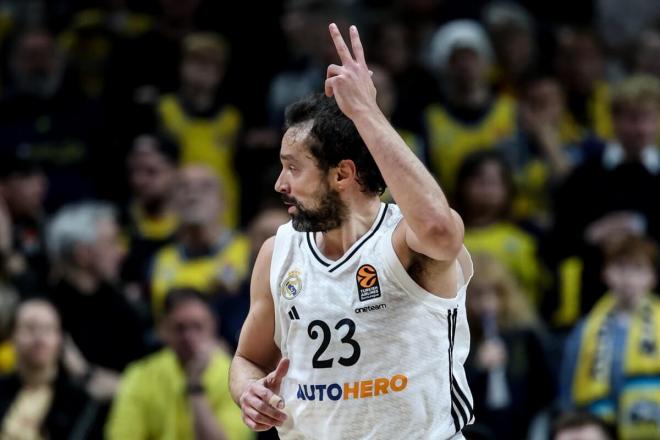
611, 365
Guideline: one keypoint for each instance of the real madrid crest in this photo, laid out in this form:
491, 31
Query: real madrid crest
292, 285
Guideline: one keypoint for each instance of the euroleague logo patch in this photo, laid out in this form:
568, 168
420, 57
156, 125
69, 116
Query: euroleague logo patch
367, 282
292, 285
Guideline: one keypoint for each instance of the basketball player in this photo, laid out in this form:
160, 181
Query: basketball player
357, 326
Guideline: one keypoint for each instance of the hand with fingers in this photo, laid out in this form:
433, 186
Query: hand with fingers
261, 403
350, 83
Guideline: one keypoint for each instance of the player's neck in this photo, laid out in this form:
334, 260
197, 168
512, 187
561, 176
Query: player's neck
362, 214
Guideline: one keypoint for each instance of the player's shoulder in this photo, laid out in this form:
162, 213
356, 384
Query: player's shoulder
392, 215
267, 249
285, 234
261, 268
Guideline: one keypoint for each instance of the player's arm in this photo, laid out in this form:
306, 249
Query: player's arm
430, 227
253, 383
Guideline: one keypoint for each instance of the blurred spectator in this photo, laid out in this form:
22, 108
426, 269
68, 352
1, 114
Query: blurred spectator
146, 66
206, 255
200, 119
37, 66
388, 100
23, 189
611, 364
106, 332
509, 368
619, 24
511, 30
8, 301
647, 53
580, 426
470, 117
609, 194
393, 48
422, 17
39, 400
91, 36
181, 391
150, 221
538, 153
304, 23
232, 310
484, 193
44, 118
579, 65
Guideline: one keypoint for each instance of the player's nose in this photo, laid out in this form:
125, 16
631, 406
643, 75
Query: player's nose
280, 184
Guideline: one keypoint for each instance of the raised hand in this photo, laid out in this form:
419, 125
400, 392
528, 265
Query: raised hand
261, 404
350, 83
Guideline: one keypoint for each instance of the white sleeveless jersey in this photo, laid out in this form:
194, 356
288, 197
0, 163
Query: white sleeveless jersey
373, 355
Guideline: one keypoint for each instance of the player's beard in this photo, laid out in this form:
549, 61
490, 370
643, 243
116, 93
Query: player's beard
329, 214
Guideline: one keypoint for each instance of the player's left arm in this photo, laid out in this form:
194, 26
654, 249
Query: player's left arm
430, 227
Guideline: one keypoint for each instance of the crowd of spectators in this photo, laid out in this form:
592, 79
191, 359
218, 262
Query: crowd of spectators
138, 151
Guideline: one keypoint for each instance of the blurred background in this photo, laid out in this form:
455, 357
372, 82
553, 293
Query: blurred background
138, 152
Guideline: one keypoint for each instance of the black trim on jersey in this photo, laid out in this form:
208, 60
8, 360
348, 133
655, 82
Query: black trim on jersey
311, 248
461, 410
450, 350
345, 258
459, 401
457, 424
465, 399
380, 222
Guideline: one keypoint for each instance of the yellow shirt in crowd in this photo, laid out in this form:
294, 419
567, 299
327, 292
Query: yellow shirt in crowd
450, 140
515, 248
211, 141
224, 269
7, 357
598, 113
152, 404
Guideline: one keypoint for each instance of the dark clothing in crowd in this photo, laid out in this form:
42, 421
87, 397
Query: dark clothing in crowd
529, 379
137, 264
71, 414
137, 80
57, 132
599, 187
28, 241
103, 325
232, 311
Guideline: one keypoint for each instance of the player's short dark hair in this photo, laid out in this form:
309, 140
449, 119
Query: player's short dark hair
334, 138
579, 419
176, 297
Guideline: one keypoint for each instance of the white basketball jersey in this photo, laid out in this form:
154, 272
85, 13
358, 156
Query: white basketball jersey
373, 355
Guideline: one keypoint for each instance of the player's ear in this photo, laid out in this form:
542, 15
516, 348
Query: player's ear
345, 172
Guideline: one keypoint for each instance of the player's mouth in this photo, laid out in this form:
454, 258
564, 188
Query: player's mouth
290, 205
